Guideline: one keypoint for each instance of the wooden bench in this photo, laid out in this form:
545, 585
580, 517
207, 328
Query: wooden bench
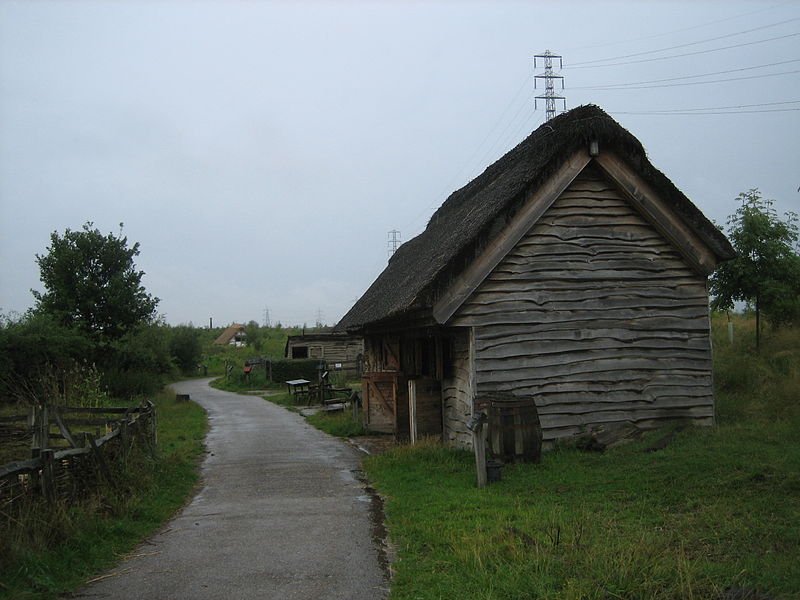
325, 393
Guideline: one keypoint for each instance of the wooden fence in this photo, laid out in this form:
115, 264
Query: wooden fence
67, 465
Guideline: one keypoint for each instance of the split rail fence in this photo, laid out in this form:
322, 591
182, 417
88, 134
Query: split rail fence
67, 465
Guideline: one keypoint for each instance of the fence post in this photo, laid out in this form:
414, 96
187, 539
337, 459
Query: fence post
153, 429
100, 461
475, 426
48, 480
124, 437
41, 429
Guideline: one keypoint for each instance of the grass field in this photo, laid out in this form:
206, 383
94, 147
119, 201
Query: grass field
718, 508
57, 548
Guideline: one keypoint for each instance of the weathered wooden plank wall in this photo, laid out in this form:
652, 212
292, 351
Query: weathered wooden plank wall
457, 392
597, 316
332, 351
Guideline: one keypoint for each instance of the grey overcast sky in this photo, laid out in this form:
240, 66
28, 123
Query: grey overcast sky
260, 152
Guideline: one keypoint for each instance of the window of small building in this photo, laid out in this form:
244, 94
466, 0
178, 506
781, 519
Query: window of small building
300, 352
315, 352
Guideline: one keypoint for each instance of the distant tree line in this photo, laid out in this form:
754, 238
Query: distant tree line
94, 331
93, 322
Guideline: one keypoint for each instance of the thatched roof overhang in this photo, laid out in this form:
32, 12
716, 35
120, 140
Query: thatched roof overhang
423, 268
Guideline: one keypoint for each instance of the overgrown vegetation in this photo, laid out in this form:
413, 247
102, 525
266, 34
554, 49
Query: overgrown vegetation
94, 313
341, 424
766, 272
51, 550
717, 508
268, 342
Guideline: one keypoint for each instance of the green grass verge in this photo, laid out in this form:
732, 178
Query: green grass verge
718, 507
238, 384
60, 547
340, 424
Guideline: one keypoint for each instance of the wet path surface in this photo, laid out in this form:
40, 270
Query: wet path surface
281, 514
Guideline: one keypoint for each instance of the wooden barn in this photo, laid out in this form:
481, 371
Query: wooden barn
571, 273
337, 348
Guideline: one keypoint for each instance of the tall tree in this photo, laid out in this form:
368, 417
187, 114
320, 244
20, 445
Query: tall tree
91, 283
766, 272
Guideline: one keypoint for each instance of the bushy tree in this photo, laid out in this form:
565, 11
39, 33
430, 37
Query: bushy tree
766, 272
185, 347
137, 361
91, 283
255, 335
36, 350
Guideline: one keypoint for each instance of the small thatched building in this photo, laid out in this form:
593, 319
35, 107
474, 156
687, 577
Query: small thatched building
234, 335
571, 271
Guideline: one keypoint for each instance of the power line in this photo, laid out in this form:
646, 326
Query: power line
647, 87
693, 113
644, 60
716, 110
457, 177
686, 45
673, 31
736, 106
623, 85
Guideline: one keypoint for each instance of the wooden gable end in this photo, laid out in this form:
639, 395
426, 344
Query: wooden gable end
596, 314
640, 196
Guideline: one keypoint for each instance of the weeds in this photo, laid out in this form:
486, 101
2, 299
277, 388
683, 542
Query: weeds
340, 424
50, 549
716, 508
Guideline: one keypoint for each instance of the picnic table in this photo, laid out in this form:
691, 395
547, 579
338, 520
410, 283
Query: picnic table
297, 387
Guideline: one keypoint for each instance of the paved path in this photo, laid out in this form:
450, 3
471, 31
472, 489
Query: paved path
280, 515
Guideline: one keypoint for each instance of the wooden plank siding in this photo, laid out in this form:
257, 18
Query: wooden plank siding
457, 392
333, 350
595, 315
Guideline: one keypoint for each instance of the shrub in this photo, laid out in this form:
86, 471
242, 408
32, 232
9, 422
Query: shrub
185, 348
286, 369
33, 349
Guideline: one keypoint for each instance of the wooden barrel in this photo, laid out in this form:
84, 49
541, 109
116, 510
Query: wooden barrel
514, 432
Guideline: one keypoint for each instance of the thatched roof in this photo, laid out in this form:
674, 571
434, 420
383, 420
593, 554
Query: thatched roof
413, 271
230, 333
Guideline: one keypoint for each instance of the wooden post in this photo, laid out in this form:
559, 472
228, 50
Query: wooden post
100, 461
355, 398
41, 429
48, 480
479, 443
412, 410
153, 429
62, 425
124, 438
475, 426
33, 425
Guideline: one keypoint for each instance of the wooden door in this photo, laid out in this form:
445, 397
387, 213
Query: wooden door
425, 408
386, 403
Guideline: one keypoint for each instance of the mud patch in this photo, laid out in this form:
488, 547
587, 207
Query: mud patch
377, 519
